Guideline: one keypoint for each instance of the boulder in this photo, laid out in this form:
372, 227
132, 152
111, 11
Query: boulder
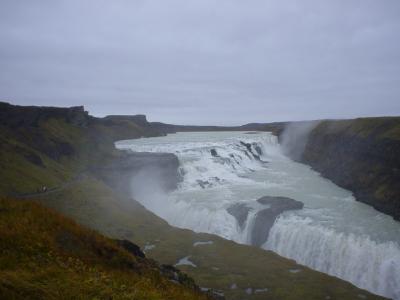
131, 248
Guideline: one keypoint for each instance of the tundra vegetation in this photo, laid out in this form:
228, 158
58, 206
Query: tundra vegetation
61, 242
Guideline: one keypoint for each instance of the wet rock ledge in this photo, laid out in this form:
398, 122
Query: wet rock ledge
265, 217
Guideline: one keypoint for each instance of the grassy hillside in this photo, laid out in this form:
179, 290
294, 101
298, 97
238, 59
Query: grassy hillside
47, 256
46, 146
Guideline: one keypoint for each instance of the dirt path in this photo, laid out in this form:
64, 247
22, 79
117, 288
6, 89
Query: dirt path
55, 189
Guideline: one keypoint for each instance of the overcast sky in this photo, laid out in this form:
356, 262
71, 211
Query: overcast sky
204, 61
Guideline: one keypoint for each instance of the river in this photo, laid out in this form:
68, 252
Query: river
333, 233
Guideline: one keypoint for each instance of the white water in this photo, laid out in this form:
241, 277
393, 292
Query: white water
333, 233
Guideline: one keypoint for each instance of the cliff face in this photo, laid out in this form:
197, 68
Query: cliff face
146, 129
26, 130
275, 128
45, 146
16, 116
361, 155
138, 119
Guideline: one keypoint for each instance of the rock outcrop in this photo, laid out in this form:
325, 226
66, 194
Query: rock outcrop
22, 116
265, 217
361, 155
240, 211
131, 248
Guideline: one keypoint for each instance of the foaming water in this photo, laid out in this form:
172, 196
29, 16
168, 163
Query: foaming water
356, 258
333, 233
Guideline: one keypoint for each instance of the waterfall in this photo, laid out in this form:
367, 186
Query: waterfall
333, 234
365, 263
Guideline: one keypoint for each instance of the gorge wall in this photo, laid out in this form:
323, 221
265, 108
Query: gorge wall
361, 155
73, 155
46, 146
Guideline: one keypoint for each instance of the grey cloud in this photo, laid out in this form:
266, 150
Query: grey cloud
204, 61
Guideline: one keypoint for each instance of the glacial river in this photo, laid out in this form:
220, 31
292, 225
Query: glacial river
333, 233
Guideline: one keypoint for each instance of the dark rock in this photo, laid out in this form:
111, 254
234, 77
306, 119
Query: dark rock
213, 294
240, 211
216, 294
217, 179
247, 154
236, 158
203, 183
78, 116
176, 275
131, 248
280, 203
247, 145
34, 158
249, 149
265, 218
258, 149
214, 153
